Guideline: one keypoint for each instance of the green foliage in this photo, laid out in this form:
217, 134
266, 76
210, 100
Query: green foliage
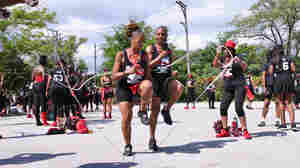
82, 66
25, 37
271, 20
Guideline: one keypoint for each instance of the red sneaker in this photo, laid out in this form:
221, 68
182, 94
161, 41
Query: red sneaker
223, 133
193, 107
186, 107
54, 124
246, 134
29, 116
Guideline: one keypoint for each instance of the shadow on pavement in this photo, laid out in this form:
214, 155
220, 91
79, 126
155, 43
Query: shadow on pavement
268, 133
192, 148
99, 121
109, 165
25, 158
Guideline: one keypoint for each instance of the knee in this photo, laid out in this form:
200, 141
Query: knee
146, 85
239, 110
223, 111
180, 87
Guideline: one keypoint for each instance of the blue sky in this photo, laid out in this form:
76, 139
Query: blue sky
94, 18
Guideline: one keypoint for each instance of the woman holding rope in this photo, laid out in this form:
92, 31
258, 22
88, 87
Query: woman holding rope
165, 87
234, 86
131, 70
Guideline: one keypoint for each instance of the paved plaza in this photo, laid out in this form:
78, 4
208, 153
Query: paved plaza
189, 143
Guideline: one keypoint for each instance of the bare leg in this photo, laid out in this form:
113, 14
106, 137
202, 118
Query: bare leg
126, 111
175, 90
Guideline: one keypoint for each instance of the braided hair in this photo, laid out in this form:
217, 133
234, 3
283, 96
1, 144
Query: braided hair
132, 27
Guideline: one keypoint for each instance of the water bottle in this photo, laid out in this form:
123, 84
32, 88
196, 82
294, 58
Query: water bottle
234, 127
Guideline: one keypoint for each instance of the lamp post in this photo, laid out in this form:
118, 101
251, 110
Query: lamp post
183, 8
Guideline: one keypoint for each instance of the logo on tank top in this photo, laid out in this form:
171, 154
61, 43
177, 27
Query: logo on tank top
163, 66
133, 78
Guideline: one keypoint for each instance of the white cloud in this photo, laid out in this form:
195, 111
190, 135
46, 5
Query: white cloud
81, 28
86, 53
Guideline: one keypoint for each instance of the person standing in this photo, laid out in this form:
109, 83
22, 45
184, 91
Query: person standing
234, 86
190, 98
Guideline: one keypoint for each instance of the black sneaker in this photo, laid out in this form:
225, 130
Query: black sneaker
277, 123
167, 117
39, 123
128, 150
152, 145
282, 126
80, 116
293, 125
262, 124
144, 117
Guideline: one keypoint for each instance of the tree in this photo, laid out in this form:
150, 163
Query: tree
82, 66
24, 38
271, 20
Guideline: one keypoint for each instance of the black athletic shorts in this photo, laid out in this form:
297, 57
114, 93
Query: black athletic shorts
160, 87
284, 84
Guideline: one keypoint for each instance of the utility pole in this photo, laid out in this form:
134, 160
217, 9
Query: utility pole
95, 49
183, 8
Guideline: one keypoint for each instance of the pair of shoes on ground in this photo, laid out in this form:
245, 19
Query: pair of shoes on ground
152, 146
226, 133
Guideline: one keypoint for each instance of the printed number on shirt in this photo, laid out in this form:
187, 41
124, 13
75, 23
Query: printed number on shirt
285, 66
58, 78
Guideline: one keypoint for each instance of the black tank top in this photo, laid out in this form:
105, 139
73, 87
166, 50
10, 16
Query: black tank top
233, 71
132, 79
283, 68
58, 76
161, 69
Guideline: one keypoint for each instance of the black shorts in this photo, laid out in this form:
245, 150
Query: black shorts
108, 94
284, 84
59, 95
191, 94
160, 87
39, 96
124, 94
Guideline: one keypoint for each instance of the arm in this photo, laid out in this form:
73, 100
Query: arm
48, 84
293, 67
216, 62
264, 79
244, 65
116, 75
154, 62
270, 70
32, 74
148, 75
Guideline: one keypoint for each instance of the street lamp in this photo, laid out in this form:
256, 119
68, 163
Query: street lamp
183, 8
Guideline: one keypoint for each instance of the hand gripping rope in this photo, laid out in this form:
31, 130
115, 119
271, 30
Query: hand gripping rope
219, 75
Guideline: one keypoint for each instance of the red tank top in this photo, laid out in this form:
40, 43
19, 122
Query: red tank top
39, 78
